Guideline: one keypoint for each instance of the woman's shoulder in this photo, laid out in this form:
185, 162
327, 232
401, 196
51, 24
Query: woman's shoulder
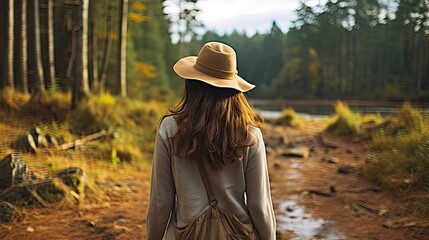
168, 127
255, 130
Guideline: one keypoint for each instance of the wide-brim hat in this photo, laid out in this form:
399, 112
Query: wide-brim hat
216, 64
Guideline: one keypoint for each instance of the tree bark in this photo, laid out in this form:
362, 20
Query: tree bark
12, 170
23, 53
93, 67
34, 50
10, 47
80, 85
63, 43
85, 12
51, 45
107, 48
122, 48
46, 36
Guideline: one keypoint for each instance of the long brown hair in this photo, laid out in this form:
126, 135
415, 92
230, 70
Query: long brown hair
213, 124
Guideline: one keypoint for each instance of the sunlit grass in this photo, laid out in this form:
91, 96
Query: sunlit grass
290, 118
12, 100
347, 122
399, 148
399, 154
48, 106
132, 124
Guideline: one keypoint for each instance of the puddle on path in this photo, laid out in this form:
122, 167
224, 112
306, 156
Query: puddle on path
293, 220
302, 226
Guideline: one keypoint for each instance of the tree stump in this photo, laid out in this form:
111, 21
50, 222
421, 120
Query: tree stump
34, 140
26, 143
12, 171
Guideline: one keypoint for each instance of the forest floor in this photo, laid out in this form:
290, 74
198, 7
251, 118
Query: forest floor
312, 199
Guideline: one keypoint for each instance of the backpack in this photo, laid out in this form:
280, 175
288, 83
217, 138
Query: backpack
215, 223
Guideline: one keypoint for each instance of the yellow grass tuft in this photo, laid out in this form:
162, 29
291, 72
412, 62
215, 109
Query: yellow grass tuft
290, 118
345, 121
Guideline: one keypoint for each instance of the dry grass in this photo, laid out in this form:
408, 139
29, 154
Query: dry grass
399, 154
132, 125
290, 118
347, 122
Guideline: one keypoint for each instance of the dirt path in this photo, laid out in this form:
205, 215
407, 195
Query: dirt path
355, 210
314, 201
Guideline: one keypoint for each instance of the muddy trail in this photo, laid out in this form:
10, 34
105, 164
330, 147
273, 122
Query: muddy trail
318, 189
323, 194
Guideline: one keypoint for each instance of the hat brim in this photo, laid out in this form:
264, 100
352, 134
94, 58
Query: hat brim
184, 68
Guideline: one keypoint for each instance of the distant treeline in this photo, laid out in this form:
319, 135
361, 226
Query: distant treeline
364, 49
361, 49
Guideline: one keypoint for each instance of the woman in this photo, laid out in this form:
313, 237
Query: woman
214, 124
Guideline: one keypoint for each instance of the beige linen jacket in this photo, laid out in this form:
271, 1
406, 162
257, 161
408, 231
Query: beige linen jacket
178, 196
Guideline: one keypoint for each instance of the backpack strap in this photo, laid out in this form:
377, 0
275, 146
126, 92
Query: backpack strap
207, 186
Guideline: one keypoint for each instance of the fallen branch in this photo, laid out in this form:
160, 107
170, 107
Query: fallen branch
82, 141
36, 196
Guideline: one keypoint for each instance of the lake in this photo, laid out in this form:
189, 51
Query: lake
320, 108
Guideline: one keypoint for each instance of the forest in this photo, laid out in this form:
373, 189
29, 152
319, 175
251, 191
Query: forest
84, 84
85, 47
345, 49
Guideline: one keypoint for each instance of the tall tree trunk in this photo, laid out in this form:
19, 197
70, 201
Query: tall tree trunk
23, 52
421, 61
34, 50
85, 12
122, 48
355, 59
107, 48
93, 67
63, 43
80, 87
3, 39
51, 45
47, 42
386, 72
10, 42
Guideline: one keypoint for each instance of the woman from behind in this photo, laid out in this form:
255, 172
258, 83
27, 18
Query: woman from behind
210, 154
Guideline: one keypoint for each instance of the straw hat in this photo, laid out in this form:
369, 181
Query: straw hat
216, 65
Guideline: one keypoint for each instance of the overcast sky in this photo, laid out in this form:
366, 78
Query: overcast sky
224, 16
251, 16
